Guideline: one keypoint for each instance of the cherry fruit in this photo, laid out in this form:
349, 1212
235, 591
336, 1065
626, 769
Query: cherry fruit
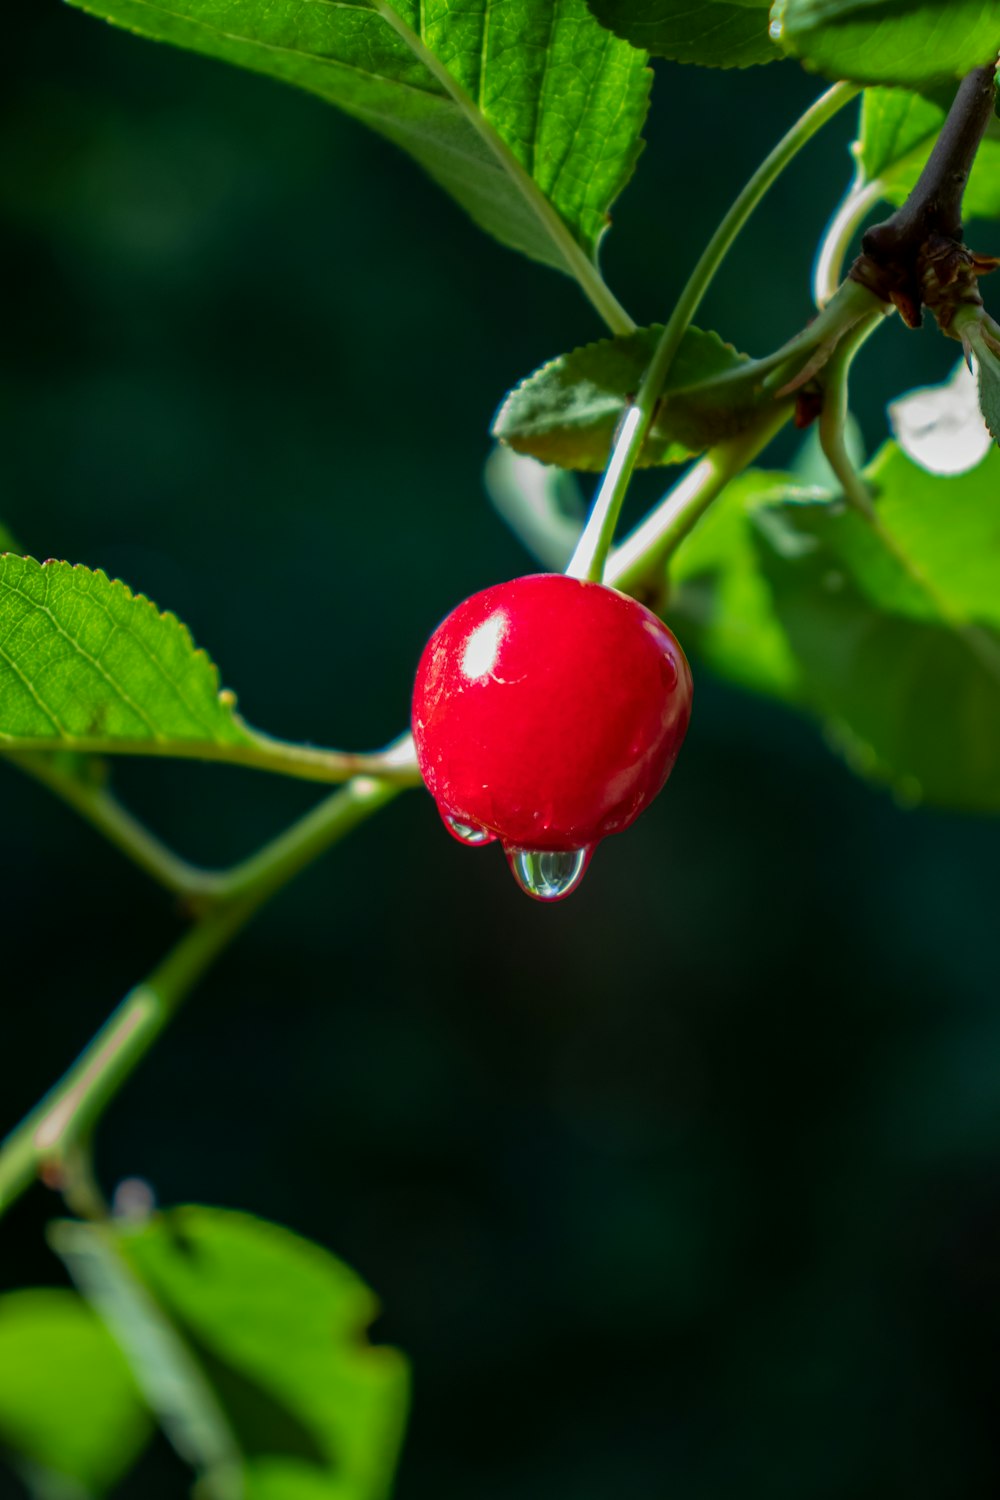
547, 713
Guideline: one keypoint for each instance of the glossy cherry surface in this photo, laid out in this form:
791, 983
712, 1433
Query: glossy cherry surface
547, 713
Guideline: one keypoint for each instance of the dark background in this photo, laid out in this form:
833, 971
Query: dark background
687, 1188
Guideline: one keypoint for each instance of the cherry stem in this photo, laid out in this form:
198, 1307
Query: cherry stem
588, 561
828, 272
833, 417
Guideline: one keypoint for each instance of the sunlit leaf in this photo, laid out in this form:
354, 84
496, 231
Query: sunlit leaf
714, 33
527, 111
69, 1406
911, 42
84, 661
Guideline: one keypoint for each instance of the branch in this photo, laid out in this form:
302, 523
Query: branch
917, 257
40, 1145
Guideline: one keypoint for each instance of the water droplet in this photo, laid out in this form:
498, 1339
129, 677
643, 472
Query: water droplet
468, 833
548, 875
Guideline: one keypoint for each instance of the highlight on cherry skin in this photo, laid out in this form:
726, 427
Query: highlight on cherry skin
547, 713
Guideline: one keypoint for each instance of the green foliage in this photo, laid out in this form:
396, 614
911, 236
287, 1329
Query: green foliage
69, 1407
721, 601
715, 33
890, 633
897, 133
249, 1342
566, 413
85, 662
908, 42
516, 107
987, 351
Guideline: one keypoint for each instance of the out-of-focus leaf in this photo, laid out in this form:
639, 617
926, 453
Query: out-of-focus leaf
720, 602
714, 33
69, 1406
910, 42
940, 427
541, 504
566, 413
525, 111
896, 627
274, 1330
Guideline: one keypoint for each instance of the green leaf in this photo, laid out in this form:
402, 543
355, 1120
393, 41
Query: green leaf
986, 349
715, 33
84, 662
566, 413
896, 627
274, 1327
526, 111
910, 42
720, 603
897, 133
68, 1403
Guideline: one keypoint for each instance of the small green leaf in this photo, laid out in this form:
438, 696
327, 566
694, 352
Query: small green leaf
897, 133
986, 348
715, 33
526, 111
68, 1403
896, 626
566, 413
720, 602
274, 1327
909, 42
84, 661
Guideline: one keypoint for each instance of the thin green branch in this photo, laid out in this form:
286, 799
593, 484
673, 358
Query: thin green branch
94, 802
67, 1115
828, 272
592, 550
653, 542
257, 752
833, 416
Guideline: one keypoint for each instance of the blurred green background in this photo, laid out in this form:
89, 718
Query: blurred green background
689, 1187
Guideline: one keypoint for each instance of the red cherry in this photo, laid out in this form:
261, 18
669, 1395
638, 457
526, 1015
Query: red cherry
547, 713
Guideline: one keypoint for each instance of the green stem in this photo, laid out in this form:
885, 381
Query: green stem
69, 1112
256, 751
105, 813
833, 417
589, 558
649, 546
829, 269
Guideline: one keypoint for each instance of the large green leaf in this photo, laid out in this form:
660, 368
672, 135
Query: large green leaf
527, 111
714, 33
897, 132
69, 1406
911, 42
271, 1329
566, 413
896, 627
85, 662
